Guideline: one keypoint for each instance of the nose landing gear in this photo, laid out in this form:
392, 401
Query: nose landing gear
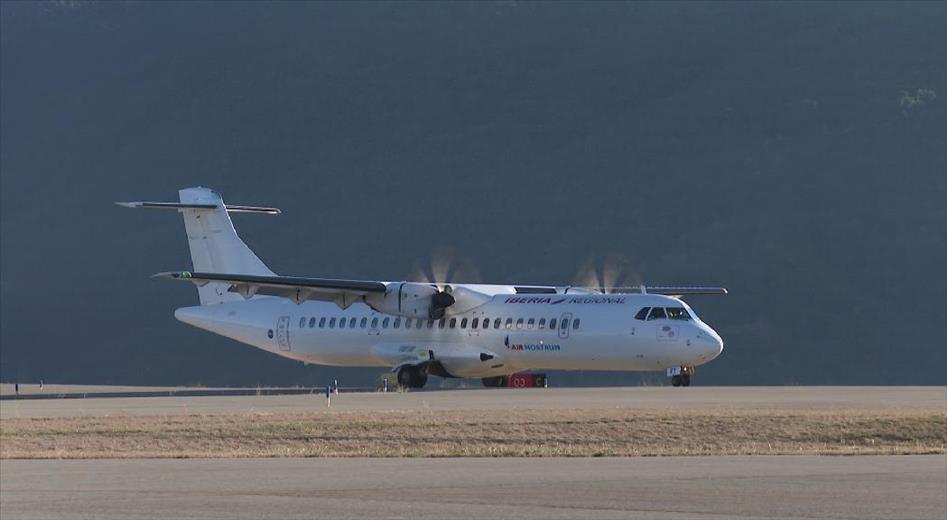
681, 376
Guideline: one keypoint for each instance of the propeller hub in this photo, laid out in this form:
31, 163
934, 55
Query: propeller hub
442, 300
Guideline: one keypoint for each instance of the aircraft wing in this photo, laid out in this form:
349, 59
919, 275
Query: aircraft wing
644, 289
673, 291
343, 292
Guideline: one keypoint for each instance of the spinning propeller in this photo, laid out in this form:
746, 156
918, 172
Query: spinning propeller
443, 269
612, 273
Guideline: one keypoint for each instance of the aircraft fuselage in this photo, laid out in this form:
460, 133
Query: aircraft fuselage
514, 332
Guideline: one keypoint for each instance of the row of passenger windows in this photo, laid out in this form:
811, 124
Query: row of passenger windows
659, 313
407, 323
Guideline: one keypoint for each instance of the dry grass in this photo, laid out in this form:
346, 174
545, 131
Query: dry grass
478, 433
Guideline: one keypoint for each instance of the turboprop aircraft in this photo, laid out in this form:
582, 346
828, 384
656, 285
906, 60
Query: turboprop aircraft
420, 329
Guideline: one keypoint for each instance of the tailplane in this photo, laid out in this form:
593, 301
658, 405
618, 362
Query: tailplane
215, 246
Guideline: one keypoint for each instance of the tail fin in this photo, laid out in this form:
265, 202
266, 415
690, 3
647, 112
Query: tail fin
215, 246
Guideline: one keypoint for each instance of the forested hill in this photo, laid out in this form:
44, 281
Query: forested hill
793, 152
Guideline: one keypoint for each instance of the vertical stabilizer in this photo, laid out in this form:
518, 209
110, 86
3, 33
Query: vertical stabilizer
215, 246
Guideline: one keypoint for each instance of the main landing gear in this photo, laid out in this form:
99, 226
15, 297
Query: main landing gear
496, 382
412, 377
681, 376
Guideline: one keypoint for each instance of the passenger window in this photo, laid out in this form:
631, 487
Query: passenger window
678, 313
656, 314
312, 322
519, 323
509, 323
496, 323
419, 323
552, 324
374, 323
530, 322
397, 323
643, 313
486, 323
463, 323
575, 324
441, 323
384, 323
453, 323
363, 323
430, 324
475, 323
302, 322
322, 322
352, 323
407, 323
341, 323
542, 323
564, 324
332, 323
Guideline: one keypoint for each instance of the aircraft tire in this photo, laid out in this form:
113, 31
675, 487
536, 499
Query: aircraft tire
676, 380
496, 382
685, 380
411, 377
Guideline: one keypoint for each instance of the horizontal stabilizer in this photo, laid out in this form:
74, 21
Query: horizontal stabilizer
180, 205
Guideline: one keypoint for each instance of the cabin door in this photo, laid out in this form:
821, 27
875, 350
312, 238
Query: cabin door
282, 333
564, 322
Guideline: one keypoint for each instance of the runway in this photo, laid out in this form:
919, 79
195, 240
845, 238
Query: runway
891, 487
644, 398
711, 487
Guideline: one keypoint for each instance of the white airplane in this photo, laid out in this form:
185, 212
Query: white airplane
420, 329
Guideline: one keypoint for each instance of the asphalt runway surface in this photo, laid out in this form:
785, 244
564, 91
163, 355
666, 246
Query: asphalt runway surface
692, 398
859, 487
864, 488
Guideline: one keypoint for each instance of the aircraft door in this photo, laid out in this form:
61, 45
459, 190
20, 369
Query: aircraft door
282, 333
564, 323
474, 329
373, 329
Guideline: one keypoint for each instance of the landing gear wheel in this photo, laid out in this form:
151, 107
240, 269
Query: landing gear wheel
685, 380
676, 380
496, 382
412, 377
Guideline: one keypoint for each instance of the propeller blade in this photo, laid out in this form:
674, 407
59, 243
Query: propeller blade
587, 276
442, 260
612, 270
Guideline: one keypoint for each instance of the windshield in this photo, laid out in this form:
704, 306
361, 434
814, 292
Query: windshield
660, 313
678, 313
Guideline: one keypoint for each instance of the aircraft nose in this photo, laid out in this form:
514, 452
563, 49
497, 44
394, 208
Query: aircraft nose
711, 342
718, 344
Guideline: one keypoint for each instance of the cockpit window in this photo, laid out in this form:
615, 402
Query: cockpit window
643, 313
657, 313
678, 313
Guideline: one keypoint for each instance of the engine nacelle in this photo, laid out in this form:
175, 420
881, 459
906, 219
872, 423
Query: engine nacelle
421, 300
412, 300
466, 299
